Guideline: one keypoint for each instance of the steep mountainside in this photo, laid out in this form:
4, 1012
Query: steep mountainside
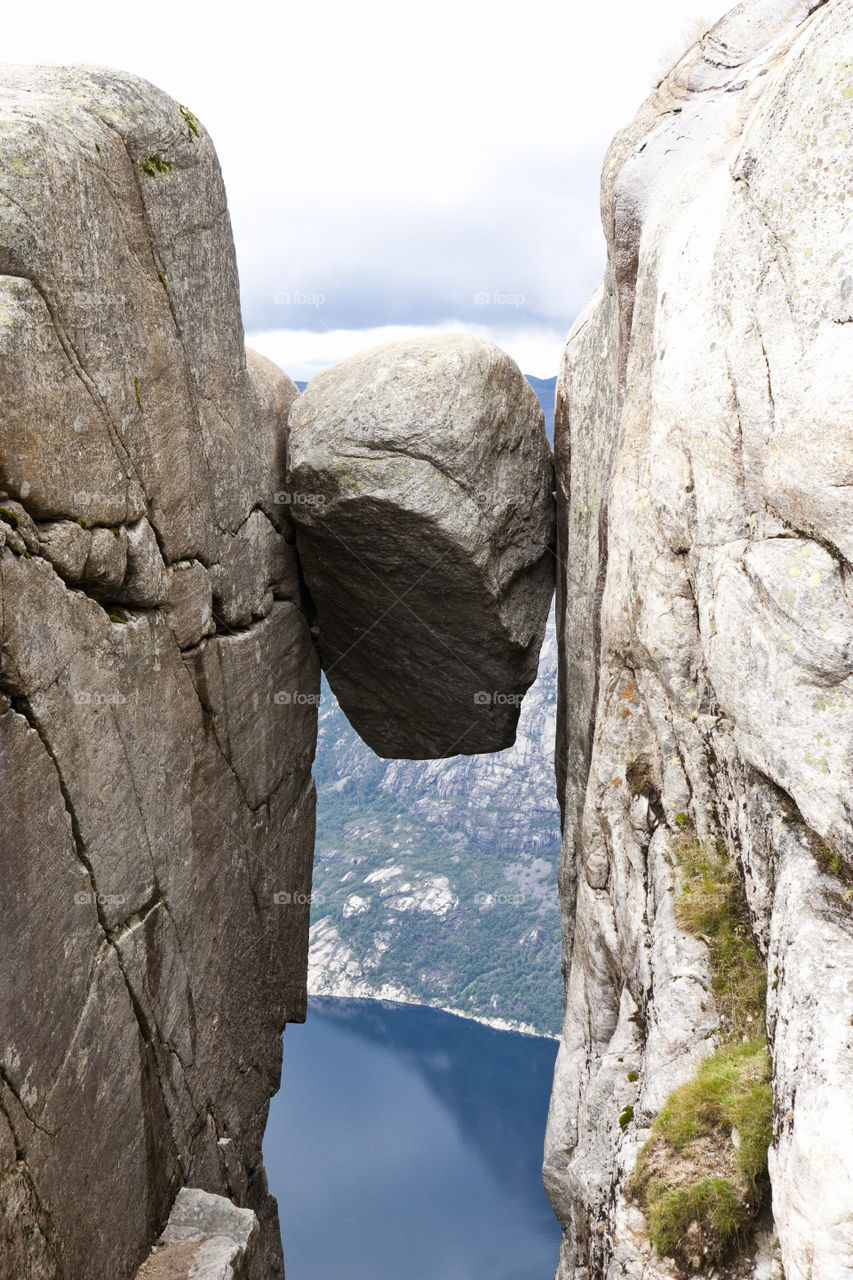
156, 788
436, 881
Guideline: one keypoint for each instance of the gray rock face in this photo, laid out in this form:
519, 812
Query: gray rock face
420, 483
157, 688
206, 1238
704, 447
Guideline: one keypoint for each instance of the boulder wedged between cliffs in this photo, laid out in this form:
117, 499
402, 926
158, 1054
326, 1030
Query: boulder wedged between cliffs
420, 483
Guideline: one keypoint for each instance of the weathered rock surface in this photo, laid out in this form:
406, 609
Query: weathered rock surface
420, 482
157, 689
704, 448
206, 1238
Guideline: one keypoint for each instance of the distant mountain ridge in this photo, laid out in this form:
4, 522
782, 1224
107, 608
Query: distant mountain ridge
546, 390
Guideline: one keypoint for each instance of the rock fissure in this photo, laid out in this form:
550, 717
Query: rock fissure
80, 372
21, 1147
24, 708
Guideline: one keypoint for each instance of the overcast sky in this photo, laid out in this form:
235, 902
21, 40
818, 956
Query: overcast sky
394, 168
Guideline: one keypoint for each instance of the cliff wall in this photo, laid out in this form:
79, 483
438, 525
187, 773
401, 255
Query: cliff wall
704, 444
156, 785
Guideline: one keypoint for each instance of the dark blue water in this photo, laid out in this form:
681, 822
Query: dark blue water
406, 1144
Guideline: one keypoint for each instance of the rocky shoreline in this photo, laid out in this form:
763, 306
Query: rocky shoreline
388, 994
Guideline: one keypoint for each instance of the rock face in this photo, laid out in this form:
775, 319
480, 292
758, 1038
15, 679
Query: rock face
420, 482
206, 1238
157, 688
704, 447
159, 684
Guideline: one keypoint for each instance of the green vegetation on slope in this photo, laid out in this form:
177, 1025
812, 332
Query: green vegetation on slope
702, 1175
711, 905
494, 954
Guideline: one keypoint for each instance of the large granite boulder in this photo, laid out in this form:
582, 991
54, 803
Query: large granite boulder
158, 688
420, 483
704, 447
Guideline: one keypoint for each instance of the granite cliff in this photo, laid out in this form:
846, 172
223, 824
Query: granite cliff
156, 787
704, 443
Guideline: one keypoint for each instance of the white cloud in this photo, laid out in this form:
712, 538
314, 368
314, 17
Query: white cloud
527, 248
336, 100
398, 160
302, 352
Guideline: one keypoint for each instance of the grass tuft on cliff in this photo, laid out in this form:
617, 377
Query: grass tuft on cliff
711, 905
702, 1175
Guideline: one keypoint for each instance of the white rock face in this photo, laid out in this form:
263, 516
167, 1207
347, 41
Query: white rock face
704, 449
206, 1238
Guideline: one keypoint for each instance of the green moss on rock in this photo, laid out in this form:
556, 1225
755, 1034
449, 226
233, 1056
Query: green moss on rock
711, 904
152, 165
702, 1176
688, 1216
192, 121
830, 860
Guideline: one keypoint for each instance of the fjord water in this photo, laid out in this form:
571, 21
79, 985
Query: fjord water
406, 1142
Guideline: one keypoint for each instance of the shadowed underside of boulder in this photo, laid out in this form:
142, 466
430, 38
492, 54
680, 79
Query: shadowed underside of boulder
420, 483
